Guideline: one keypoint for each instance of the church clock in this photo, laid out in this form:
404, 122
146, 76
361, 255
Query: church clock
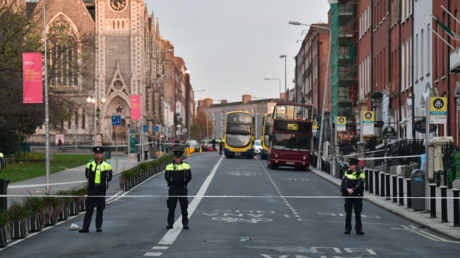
118, 5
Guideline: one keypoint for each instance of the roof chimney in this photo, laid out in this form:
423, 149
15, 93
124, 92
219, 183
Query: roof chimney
223, 101
282, 96
246, 98
207, 102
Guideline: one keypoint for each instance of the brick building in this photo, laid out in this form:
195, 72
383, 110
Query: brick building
217, 113
310, 70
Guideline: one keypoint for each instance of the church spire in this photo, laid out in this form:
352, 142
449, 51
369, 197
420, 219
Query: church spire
157, 30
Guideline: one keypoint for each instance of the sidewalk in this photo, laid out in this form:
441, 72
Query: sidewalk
423, 219
76, 175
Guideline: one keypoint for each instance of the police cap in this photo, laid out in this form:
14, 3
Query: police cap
178, 153
353, 161
98, 149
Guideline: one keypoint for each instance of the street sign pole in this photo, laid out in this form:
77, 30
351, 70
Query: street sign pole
116, 147
427, 143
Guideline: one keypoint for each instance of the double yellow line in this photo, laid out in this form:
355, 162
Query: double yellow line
428, 235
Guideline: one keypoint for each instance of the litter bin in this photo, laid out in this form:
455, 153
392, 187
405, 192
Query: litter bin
417, 185
3, 190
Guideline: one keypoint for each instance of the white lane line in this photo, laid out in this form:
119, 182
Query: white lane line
152, 254
172, 234
160, 247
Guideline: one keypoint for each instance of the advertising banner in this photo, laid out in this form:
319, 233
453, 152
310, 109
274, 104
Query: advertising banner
341, 123
135, 107
32, 76
438, 110
178, 108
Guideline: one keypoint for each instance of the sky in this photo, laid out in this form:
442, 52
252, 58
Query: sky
229, 47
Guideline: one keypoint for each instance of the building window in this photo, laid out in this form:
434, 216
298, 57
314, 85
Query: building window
209, 114
83, 120
221, 113
214, 113
403, 66
222, 123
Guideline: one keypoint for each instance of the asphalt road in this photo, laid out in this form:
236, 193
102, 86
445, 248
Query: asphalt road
243, 200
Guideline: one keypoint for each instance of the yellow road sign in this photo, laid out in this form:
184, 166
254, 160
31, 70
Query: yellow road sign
368, 117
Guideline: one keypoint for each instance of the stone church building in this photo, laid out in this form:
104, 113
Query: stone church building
123, 32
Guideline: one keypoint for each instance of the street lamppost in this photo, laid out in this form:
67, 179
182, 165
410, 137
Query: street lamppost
141, 133
92, 98
275, 79
285, 80
325, 86
255, 114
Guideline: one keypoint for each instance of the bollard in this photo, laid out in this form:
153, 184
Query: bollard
401, 190
4, 191
382, 184
433, 200
366, 180
138, 157
444, 203
387, 185
395, 186
409, 193
371, 187
456, 207
376, 175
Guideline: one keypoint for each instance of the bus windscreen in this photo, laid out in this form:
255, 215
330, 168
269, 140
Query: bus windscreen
238, 123
292, 126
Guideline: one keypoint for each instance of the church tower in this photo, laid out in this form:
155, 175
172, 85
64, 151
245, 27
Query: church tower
120, 43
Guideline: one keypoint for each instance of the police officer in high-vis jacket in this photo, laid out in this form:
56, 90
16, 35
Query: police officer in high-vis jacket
2, 161
99, 173
353, 186
178, 174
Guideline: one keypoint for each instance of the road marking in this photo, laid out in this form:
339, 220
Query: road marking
172, 234
278, 190
152, 254
160, 247
427, 235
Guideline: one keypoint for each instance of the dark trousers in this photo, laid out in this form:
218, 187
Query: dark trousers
90, 202
172, 202
350, 205
221, 145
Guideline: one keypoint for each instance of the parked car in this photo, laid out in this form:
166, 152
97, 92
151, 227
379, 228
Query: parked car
258, 146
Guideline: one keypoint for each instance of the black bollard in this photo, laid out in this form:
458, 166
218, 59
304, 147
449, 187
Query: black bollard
444, 203
401, 190
371, 185
456, 207
366, 180
382, 184
395, 186
409, 193
376, 174
433, 201
387, 185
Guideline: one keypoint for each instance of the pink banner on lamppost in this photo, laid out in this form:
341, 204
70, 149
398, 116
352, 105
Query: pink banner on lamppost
32, 75
135, 107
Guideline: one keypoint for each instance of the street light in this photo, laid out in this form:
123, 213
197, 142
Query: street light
325, 86
275, 79
92, 99
285, 80
403, 126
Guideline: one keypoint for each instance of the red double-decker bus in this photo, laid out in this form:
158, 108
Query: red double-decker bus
290, 136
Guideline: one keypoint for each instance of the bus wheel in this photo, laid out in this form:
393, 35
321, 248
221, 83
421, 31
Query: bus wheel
300, 168
250, 157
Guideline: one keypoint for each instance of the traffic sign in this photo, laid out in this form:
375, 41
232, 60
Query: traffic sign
341, 123
116, 120
145, 128
156, 128
438, 110
367, 122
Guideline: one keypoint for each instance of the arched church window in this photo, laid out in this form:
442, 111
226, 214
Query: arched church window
83, 119
113, 24
123, 24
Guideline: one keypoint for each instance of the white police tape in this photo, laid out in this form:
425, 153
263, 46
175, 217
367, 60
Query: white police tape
224, 196
41, 185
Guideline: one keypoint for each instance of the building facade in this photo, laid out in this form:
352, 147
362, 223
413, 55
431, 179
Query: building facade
129, 58
217, 113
